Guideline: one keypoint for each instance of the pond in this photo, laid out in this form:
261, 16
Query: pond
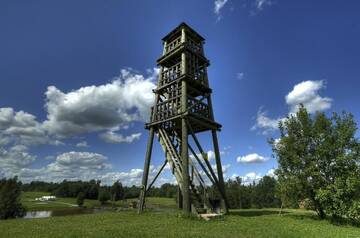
61, 212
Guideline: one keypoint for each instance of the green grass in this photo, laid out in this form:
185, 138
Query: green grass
240, 223
257, 223
28, 200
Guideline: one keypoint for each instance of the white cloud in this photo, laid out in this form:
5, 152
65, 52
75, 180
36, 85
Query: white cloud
20, 127
240, 76
248, 178
265, 123
218, 5
307, 93
133, 177
112, 137
271, 173
260, 4
71, 166
210, 155
104, 109
82, 144
15, 158
94, 108
251, 158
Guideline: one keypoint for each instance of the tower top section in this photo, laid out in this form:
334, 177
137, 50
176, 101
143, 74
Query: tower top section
177, 31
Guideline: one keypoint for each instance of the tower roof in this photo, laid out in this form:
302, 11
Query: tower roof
178, 28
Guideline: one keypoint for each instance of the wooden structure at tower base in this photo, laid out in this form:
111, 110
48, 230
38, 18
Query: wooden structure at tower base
183, 109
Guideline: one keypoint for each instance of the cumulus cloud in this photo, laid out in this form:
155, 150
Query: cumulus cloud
15, 158
82, 144
210, 155
248, 178
218, 5
112, 137
265, 123
252, 158
306, 93
20, 127
94, 108
134, 176
103, 109
71, 166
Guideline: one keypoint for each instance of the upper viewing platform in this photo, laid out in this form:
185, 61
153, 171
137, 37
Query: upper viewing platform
183, 37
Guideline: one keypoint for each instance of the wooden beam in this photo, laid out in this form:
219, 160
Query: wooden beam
146, 170
201, 165
157, 175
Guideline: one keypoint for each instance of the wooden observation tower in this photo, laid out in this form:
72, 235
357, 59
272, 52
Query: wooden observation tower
182, 109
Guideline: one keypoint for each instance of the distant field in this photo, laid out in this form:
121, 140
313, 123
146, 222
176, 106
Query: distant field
28, 200
259, 223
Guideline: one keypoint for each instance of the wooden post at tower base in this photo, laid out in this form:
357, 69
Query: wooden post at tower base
146, 171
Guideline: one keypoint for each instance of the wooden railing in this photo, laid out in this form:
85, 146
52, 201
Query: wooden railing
172, 107
170, 74
192, 45
173, 45
197, 107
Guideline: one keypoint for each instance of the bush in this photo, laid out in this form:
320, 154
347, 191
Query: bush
10, 206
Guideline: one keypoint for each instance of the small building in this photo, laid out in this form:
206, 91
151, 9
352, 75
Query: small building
46, 198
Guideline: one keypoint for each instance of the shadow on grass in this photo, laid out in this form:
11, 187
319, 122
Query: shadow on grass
254, 213
331, 220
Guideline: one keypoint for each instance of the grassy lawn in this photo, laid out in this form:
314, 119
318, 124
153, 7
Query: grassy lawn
28, 200
240, 223
169, 223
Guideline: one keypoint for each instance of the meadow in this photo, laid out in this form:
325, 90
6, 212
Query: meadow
259, 223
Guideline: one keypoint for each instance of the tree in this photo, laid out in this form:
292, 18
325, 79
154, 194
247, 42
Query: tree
104, 196
80, 199
318, 160
10, 205
117, 191
264, 193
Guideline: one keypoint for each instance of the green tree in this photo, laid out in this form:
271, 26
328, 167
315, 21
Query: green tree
117, 191
318, 160
104, 196
264, 193
10, 205
80, 199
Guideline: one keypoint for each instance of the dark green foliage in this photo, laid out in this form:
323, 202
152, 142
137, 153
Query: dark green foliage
10, 206
264, 193
117, 191
73, 188
256, 195
166, 190
319, 160
80, 199
104, 196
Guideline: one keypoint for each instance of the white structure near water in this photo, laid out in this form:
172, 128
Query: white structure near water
46, 198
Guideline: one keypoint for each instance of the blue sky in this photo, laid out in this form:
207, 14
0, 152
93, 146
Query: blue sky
76, 79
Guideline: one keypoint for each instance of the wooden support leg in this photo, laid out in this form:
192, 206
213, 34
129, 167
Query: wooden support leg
180, 198
185, 168
219, 170
146, 171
